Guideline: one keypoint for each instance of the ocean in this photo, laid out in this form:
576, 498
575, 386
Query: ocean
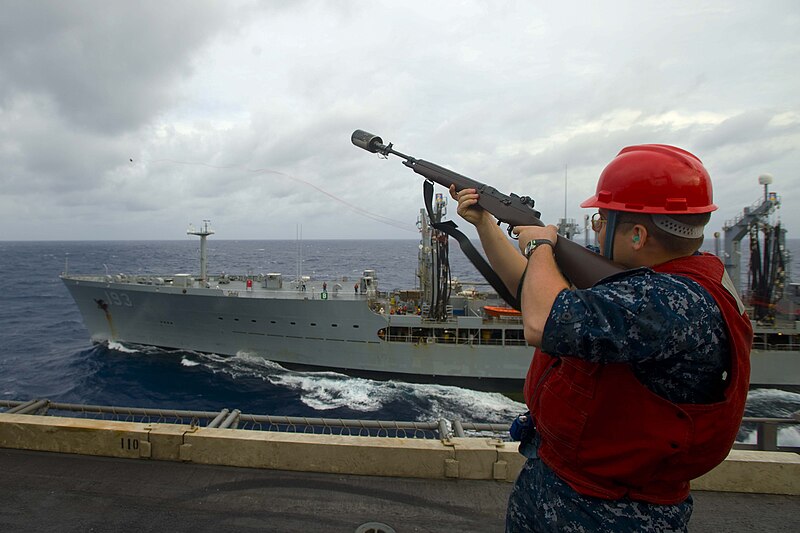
45, 350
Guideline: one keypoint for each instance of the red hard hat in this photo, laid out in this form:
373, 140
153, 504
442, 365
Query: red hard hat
655, 179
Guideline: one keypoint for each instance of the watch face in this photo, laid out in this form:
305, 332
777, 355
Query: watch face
533, 244
529, 248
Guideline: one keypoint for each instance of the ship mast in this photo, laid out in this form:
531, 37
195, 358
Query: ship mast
434, 263
567, 226
736, 229
768, 270
203, 234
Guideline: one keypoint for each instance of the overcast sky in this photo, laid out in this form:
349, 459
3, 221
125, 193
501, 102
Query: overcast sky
129, 120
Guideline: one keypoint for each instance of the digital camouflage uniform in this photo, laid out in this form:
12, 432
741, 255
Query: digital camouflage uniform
671, 332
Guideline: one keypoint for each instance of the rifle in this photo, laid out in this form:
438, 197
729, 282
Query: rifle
582, 267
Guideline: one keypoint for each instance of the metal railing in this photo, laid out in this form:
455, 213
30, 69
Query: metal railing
766, 429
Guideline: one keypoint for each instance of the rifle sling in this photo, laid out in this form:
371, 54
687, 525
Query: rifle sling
469, 250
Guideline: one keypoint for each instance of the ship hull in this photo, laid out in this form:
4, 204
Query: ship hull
301, 330
775, 369
297, 331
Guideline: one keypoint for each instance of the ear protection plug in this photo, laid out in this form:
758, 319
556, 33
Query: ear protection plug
635, 239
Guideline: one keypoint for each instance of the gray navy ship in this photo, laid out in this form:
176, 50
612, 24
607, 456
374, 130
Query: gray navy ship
441, 332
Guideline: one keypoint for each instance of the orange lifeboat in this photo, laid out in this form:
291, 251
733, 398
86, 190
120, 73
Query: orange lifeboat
498, 311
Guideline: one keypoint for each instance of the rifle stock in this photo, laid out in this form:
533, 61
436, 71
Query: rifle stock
582, 267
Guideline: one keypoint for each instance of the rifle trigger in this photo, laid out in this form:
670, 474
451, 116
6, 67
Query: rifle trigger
509, 230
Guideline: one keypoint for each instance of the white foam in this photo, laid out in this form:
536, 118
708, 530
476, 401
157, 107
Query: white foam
467, 405
773, 394
119, 347
325, 391
243, 364
257, 361
213, 357
329, 390
189, 362
749, 439
774, 403
789, 436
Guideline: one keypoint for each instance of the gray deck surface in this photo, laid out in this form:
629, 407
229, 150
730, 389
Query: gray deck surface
66, 493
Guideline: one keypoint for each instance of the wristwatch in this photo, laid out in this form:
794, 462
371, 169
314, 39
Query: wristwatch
535, 243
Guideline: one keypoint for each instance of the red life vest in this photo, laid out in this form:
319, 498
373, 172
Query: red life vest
608, 436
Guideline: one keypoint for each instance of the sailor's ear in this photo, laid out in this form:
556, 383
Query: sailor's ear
638, 237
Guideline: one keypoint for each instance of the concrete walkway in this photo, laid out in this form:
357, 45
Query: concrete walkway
44, 491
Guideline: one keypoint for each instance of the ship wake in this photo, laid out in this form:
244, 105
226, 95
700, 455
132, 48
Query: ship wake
328, 391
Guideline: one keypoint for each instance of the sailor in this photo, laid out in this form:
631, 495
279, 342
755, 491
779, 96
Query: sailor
638, 384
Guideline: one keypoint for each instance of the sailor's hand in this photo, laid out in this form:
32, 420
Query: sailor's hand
528, 233
468, 207
522, 427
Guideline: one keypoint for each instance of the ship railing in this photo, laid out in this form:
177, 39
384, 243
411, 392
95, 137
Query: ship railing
747, 212
516, 342
232, 419
772, 346
756, 433
459, 337
502, 319
766, 433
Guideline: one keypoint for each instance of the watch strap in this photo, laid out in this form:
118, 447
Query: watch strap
533, 244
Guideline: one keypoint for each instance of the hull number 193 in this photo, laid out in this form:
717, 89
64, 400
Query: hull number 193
118, 298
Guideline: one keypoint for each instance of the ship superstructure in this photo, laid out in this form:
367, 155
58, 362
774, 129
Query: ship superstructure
772, 299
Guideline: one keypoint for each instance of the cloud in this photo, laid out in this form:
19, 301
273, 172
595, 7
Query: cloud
242, 111
108, 68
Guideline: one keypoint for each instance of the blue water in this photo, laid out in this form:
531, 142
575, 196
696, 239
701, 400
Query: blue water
45, 350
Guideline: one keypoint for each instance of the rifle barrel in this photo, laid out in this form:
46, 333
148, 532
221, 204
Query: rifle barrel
373, 143
581, 266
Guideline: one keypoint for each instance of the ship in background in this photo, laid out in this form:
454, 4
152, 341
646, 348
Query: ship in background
438, 332
443, 331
